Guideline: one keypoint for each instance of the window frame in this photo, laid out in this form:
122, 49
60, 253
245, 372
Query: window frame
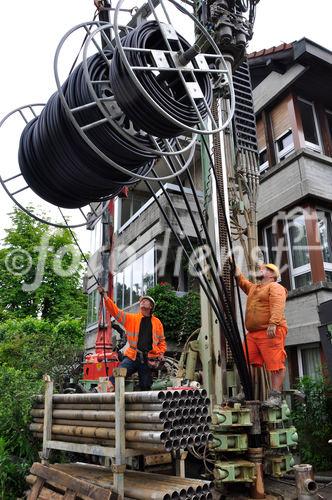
265, 165
295, 271
315, 147
304, 347
130, 265
284, 153
96, 300
269, 257
327, 265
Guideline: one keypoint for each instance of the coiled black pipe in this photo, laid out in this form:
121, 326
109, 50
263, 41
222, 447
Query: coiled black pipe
165, 87
56, 161
59, 165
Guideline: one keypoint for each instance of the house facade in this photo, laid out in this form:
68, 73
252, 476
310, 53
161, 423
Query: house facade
293, 106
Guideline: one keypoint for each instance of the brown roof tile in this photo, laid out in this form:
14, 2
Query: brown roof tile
270, 50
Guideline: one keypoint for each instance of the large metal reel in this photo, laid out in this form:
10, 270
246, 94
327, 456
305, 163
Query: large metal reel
16, 187
170, 60
107, 105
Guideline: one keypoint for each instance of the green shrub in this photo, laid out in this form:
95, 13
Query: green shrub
17, 448
12, 473
313, 420
176, 313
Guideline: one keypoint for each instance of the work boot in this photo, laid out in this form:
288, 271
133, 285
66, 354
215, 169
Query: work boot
274, 400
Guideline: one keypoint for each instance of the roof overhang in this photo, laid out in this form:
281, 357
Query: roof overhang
274, 85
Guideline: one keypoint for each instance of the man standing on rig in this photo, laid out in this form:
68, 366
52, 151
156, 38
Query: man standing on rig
266, 324
145, 338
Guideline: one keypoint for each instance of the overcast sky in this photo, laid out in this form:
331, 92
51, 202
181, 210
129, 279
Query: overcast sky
31, 30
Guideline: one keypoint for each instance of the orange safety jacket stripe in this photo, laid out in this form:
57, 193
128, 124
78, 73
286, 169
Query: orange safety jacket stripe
131, 323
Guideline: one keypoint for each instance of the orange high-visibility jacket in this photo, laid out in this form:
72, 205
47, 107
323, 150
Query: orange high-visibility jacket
265, 304
131, 323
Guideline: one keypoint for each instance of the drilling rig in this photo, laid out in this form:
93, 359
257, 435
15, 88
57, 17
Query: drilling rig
137, 107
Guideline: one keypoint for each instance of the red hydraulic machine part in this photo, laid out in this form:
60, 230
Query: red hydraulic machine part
105, 359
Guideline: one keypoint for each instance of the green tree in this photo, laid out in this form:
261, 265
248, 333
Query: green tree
29, 348
40, 271
42, 317
37, 346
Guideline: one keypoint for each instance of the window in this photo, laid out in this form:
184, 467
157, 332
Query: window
148, 270
298, 251
309, 360
271, 243
127, 280
129, 206
93, 308
325, 238
137, 280
328, 276
284, 145
329, 122
96, 237
118, 289
134, 280
310, 124
263, 161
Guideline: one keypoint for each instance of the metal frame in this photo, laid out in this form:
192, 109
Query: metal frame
119, 453
107, 118
98, 212
180, 68
155, 151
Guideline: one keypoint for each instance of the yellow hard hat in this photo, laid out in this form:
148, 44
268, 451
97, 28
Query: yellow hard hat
273, 268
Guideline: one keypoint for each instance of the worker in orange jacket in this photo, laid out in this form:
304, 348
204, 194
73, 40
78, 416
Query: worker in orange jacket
266, 324
145, 338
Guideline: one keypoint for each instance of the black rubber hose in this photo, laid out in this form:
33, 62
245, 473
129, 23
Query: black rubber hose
204, 282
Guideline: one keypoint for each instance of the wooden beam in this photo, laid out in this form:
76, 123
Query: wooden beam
36, 489
69, 495
78, 485
270, 148
324, 129
47, 428
296, 122
314, 246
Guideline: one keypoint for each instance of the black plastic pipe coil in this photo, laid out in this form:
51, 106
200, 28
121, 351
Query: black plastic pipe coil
62, 168
166, 87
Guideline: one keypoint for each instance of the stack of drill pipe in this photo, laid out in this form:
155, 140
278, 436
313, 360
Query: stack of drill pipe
155, 420
141, 485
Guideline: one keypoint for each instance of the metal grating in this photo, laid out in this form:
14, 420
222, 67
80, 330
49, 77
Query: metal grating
244, 117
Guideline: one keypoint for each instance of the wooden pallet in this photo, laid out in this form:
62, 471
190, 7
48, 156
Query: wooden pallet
52, 484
